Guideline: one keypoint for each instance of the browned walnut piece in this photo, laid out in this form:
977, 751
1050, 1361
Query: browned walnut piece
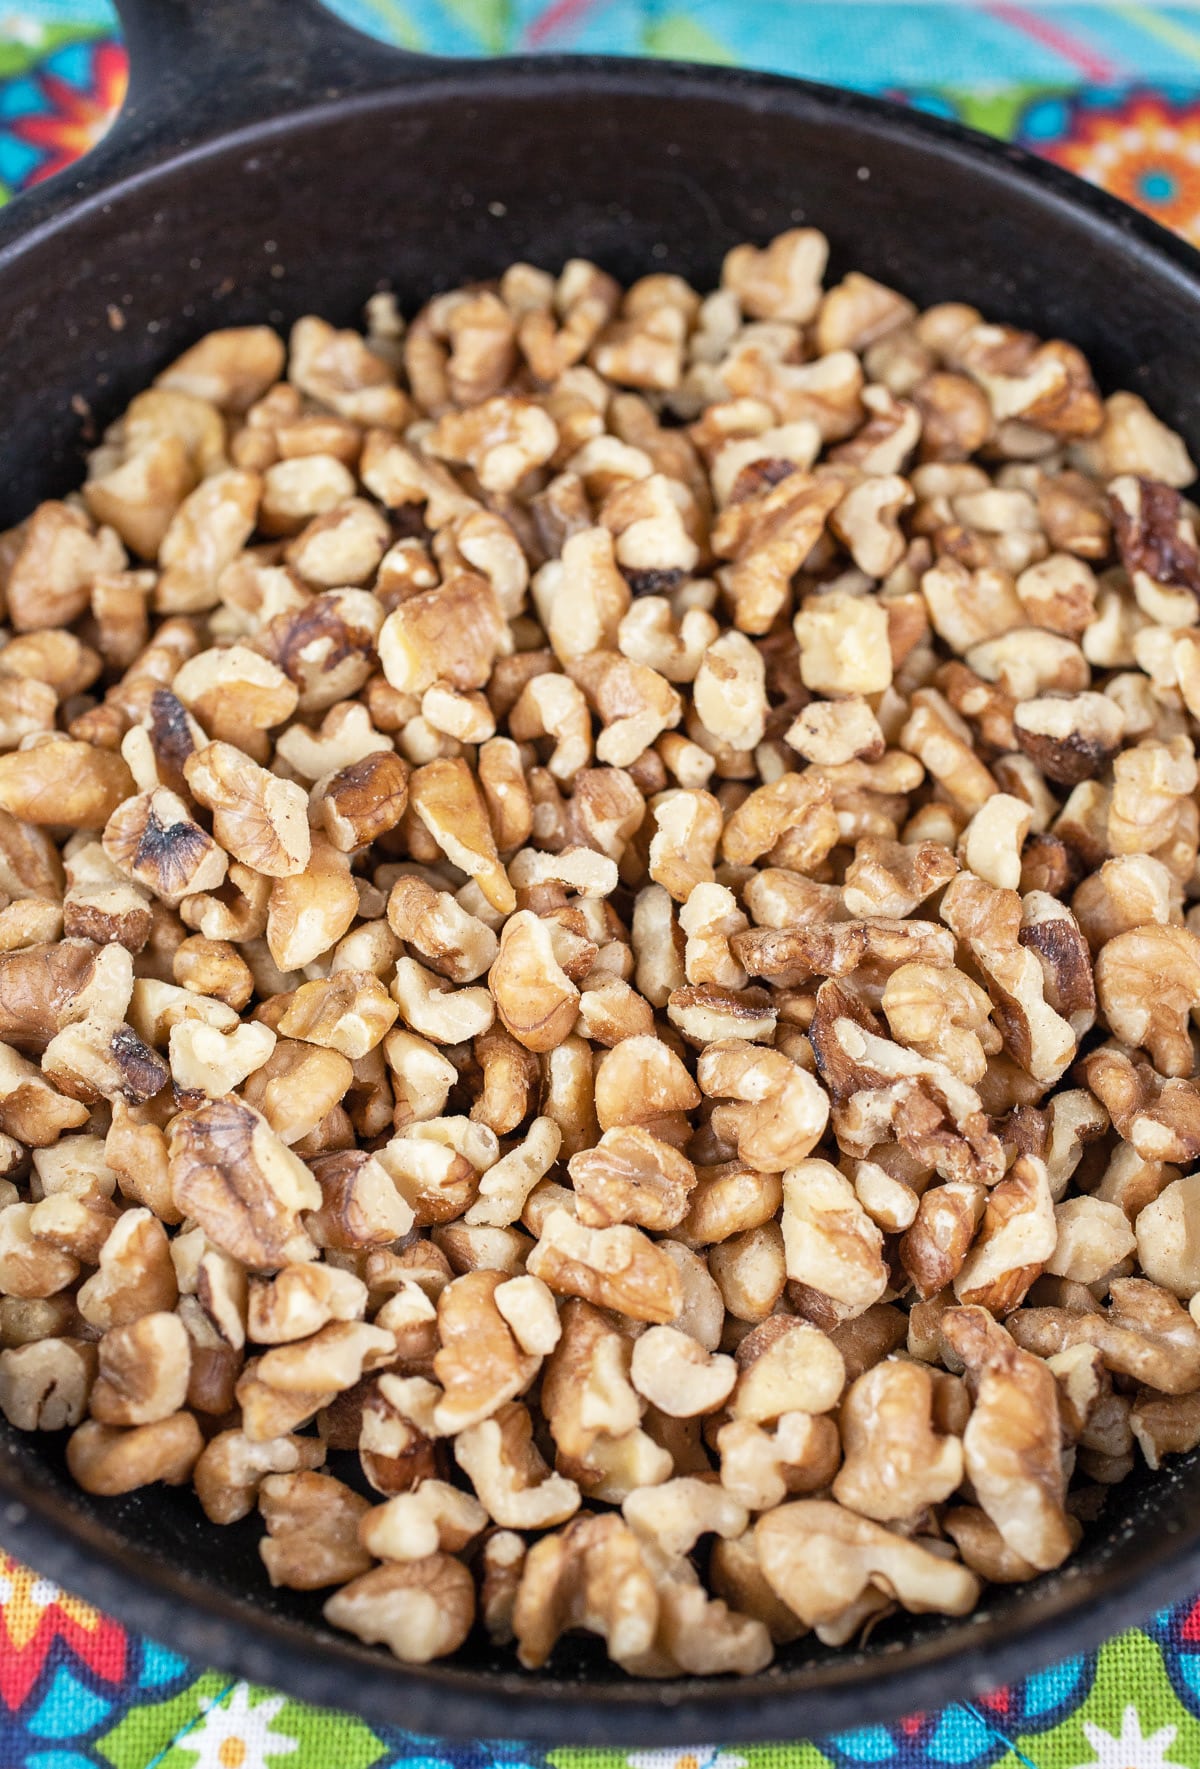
599, 906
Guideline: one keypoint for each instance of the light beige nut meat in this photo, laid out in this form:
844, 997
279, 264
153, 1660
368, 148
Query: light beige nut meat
110, 1460
143, 1373
820, 1558
941, 1013
643, 1081
631, 1176
618, 1268
798, 806
257, 817
830, 1242
1093, 1239
1010, 1445
135, 1275
309, 911
450, 634
1038, 1037
420, 1609
781, 1111
212, 1062
297, 1086
30, 1108
844, 647
361, 1204
349, 1012
897, 1462
1017, 1238
1168, 1250
535, 999
750, 1272
237, 696
515, 1486
676, 1375
783, 281
770, 532
829, 732
433, 1518
591, 1575
506, 1185
241, 1183
684, 845
786, 1366
1164, 1425
635, 704
44, 1385
299, 1300
52, 563
444, 796
737, 1577
454, 942
312, 1526
1146, 981
65, 782
1143, 1333
479, 1363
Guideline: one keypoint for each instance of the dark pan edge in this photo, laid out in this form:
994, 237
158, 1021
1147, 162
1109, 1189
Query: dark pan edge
436, 1700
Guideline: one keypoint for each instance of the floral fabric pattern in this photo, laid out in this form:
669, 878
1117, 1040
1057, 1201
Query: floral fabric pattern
1111, 92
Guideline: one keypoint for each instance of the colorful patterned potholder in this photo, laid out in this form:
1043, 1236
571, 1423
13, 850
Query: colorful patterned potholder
1110, 91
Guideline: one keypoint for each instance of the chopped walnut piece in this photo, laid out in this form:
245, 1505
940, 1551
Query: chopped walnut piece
419, 1609
258, 818
1010, 1445
241, 1183
897, 1462
820, 1559
617, 1268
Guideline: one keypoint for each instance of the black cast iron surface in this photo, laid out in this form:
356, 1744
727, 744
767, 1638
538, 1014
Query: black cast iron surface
270, 163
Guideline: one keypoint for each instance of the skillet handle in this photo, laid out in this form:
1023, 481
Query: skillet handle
201, 68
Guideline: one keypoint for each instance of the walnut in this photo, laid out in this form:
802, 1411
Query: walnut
444, 797
783, 281
258, 818
896, 1460
535, 999
419, 1609
479, 1362
830, 1243
796, 806
109, 1460
631, 1176
1016, 1240
614, 1267
1010, 1444
312, 1525
1146, 983
45, 1384
241, 1183
781, 1111
820, 1558
60, 781
590, 1575
768, 535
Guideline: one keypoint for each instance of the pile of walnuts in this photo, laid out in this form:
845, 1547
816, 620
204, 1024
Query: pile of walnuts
595, 937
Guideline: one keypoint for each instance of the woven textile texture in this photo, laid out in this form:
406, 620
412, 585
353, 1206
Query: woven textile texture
1111, 91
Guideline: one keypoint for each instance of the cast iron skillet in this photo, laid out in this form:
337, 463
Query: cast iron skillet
270, 163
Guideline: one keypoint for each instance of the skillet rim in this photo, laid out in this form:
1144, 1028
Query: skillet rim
212, 1626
